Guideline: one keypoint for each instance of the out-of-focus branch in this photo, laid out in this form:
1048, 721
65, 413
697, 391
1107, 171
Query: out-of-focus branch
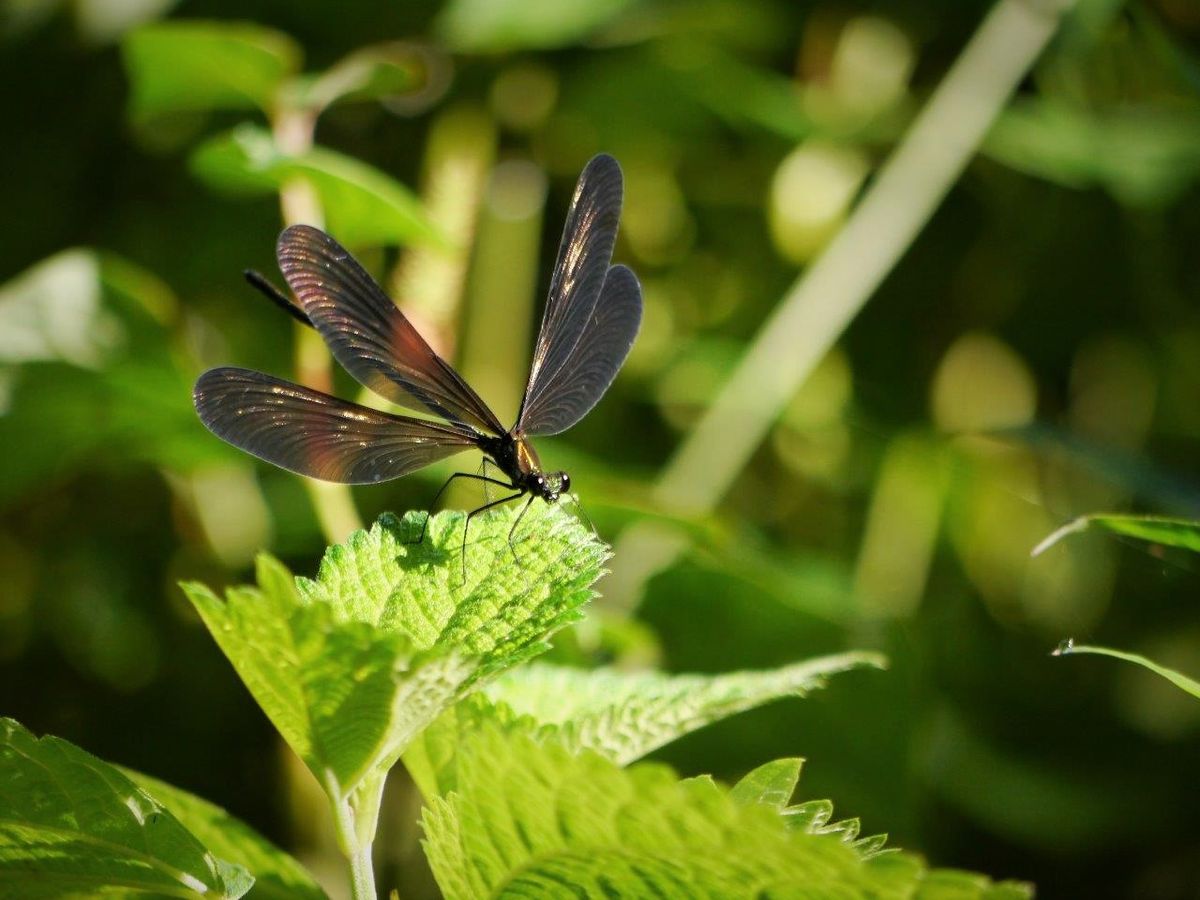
298, 201
824, 300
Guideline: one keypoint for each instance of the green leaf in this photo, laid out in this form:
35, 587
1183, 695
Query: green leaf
771, 784
531, 818
621, 715
1182, 533
277, 876
72, 825
475, 26
89, 374
362, 205
198, 66
351, 665
625, 715
1181, 681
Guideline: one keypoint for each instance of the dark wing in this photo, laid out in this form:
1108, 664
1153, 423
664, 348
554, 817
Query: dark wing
313, 434
579, 272
583, 378
369, 336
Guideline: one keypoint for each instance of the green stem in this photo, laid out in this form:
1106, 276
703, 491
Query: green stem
356, 851
362, 875
355, 819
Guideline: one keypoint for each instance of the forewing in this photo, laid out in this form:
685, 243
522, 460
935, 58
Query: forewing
583, 260
581, 381
313, 434
369, 335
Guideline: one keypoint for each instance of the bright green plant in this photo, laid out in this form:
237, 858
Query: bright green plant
389, 653
528, 772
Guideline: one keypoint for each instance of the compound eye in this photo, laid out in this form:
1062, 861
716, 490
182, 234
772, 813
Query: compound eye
564, 482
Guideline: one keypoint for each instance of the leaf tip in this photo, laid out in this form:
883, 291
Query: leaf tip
1075, 525
1065, 647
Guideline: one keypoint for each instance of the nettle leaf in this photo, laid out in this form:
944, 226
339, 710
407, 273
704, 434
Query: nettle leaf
625, 715
532, 818
1170, 532
362, 205
351, 665
197, 66
621, 715
506, 607
771, 784
277, 876
73, 825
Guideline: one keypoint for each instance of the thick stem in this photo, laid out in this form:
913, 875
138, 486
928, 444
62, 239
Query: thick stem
818, 307
362, 875
356, 850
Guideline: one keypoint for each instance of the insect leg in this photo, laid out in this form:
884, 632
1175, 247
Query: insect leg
511, 531
483, 465
472, 514
442, 490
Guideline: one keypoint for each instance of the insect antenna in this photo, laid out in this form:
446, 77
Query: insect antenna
583, 512
263, 285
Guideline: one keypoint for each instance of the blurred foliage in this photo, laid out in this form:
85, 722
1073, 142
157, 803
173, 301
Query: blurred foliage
1049, 309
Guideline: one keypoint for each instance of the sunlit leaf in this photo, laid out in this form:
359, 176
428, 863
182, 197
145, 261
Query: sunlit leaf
362, 205
72, 825
771, 784
352, 664
1181, 681
625, 715
529, 818
621, 715
183, 66
277, 876
1171, 532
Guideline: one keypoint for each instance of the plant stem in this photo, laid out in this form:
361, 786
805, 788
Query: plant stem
362, 875
333, 504
823, 301
356, 851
